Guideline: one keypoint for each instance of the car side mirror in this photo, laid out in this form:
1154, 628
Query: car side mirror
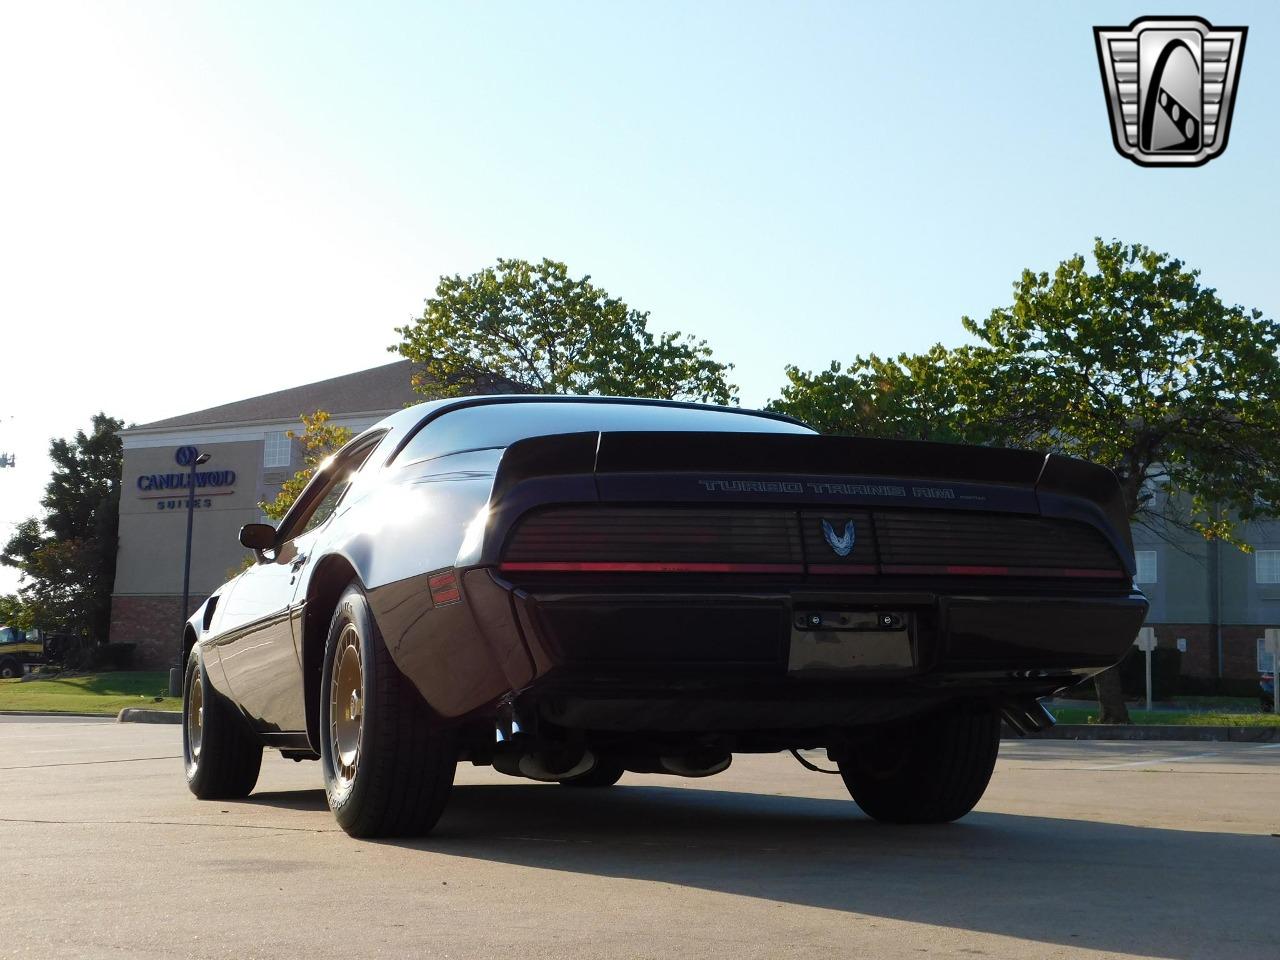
258, 536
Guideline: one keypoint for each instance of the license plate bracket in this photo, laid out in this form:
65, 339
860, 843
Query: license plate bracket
827, 642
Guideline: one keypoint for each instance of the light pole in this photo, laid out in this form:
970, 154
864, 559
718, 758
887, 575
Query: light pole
175, 675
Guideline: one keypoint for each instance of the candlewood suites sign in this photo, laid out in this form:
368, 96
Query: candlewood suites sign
210, 483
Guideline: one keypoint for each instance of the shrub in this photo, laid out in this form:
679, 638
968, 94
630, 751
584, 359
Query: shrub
112, 656
1219, 687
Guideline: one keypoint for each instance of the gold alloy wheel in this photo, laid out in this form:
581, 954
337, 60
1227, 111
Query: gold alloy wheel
346, 707
195, 715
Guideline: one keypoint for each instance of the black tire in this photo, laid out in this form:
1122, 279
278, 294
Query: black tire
221, 758
10, 668
604, 774
931, 769
401, 771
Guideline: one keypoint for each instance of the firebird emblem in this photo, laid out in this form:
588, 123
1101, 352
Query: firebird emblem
842, 544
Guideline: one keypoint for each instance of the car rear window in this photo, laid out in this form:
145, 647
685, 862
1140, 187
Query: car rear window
501, 424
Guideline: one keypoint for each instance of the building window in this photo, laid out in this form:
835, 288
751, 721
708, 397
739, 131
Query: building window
1268, 566
1146, 566
277, 451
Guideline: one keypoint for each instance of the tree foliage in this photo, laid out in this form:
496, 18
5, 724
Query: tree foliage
68, 556
1135, 365
1130, 363
533, 328
320, 440
909, 397
13, 612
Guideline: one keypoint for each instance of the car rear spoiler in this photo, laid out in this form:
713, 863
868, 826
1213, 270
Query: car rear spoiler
804, 470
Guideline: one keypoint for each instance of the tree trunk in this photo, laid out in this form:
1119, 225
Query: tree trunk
1111, 706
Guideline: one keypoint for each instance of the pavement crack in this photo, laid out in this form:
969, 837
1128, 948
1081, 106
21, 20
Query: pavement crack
86, 763
166, 823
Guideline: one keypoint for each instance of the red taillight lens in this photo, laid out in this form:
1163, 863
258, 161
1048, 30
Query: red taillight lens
604, 566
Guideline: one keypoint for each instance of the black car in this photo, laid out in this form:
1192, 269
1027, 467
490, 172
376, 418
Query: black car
570, 588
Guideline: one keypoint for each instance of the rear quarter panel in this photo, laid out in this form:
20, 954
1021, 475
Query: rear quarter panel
407, 523
412, 519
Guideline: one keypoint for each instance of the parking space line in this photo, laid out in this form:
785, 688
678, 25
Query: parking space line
1147, 763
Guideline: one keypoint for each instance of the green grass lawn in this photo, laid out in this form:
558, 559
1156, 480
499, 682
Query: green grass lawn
1173, 717
104, 693
1181, 702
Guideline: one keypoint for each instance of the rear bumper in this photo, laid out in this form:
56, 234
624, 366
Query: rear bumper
653, 640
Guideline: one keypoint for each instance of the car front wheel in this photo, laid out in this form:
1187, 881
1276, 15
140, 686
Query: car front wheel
222, 759
388, 767
932, 768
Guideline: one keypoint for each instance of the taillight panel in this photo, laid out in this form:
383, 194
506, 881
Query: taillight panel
858, 543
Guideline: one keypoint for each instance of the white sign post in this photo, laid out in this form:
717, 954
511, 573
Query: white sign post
1146, 642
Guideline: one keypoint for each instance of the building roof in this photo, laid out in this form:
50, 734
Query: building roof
383, 389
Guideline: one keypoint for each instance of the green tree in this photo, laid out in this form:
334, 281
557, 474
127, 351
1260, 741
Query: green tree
68, 556
13, 612
320, 440
1128, 362
1136, 366
533, 328
909, 397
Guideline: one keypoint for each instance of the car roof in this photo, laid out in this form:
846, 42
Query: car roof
433, 408
404, 424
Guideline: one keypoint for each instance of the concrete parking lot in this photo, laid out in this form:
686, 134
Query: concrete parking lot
1078, 850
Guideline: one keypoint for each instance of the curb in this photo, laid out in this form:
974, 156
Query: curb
54, 713
1152, 731
141, 715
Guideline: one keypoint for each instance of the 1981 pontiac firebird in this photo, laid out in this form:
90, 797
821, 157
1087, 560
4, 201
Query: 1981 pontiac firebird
570, 588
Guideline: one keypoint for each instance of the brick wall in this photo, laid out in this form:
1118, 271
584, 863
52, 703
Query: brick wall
153, 624
1239, 648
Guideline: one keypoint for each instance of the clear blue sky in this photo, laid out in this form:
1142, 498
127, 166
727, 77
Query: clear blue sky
206, 202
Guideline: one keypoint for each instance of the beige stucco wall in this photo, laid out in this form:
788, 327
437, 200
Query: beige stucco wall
153, 523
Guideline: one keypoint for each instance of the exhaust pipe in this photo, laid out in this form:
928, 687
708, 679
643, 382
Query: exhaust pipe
703, 763
1027, 717
544, 766
696, 764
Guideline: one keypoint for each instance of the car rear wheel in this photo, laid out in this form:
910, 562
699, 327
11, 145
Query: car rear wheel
931, 769
604, 774
222, 759
388, 768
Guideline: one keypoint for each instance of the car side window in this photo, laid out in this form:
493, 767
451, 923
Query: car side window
329, 502
323, 501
